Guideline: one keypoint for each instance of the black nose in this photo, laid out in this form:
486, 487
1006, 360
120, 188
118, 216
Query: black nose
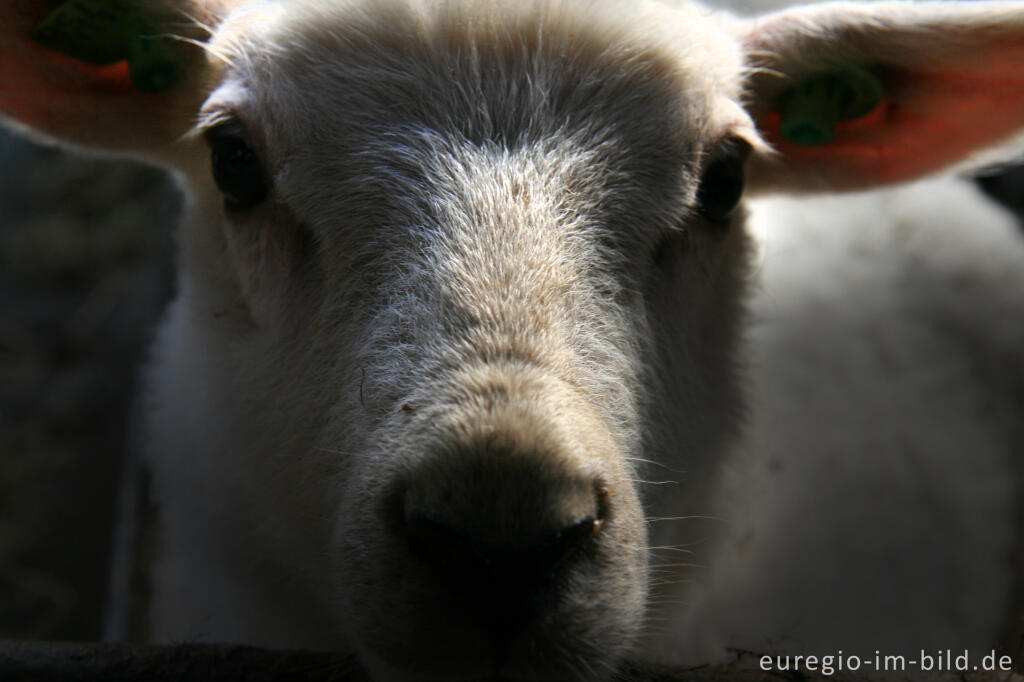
470, 549
498, 534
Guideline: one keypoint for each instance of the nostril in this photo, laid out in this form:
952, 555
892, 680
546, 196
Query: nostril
441, 543
500, 522
482, 546
499, 536
556, 548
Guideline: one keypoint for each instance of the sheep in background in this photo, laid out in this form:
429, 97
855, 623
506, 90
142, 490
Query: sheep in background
469, 269
880, 474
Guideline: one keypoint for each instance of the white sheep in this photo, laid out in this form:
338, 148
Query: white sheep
467, 279
880, 474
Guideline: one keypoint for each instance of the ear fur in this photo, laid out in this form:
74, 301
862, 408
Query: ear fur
952, 74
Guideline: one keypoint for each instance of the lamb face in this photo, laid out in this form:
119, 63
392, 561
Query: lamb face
464, 255
458, 273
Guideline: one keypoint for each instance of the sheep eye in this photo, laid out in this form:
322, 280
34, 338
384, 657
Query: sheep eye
721, 186
236, 167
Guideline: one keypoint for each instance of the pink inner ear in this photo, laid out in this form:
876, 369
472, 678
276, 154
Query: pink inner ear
928, 120
38, 84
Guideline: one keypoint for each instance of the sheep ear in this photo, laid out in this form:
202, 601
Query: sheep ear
852, 96
103, 73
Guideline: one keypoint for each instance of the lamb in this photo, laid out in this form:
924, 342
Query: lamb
460, 282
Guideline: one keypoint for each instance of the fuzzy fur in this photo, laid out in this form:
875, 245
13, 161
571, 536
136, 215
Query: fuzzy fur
889, 521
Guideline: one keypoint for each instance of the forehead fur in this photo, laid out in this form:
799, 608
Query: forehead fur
680, 31
343, 89
460, 56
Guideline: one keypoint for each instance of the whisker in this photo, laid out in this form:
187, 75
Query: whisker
656, 463
684, 564
689, 517
664, 582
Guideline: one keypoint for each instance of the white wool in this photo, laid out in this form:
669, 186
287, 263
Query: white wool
879, 477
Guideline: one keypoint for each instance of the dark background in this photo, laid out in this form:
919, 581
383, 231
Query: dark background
85, 257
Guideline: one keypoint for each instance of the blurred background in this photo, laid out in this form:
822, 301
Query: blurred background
85, 258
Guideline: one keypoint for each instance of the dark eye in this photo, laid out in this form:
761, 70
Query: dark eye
721, 186
236, 167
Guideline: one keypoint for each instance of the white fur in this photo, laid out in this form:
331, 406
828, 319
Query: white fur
874, 506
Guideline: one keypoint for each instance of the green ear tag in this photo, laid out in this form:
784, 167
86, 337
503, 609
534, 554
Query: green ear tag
151, 64
107, 31
811, 110
94, 31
